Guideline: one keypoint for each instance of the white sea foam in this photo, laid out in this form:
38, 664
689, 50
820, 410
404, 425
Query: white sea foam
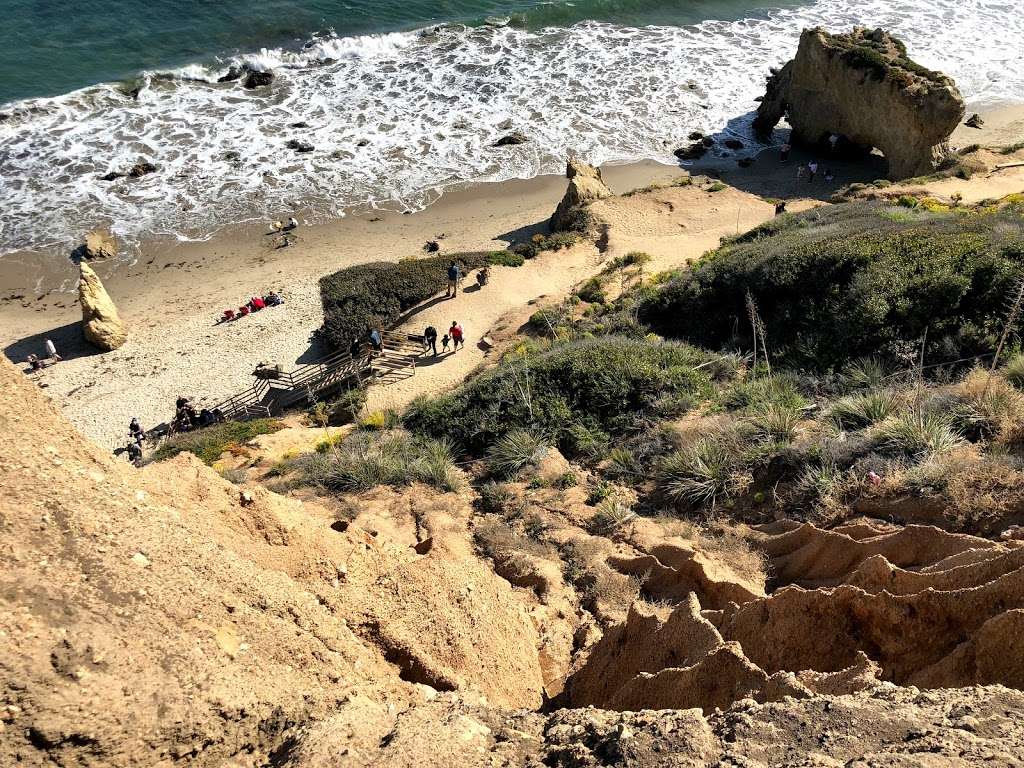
427, 108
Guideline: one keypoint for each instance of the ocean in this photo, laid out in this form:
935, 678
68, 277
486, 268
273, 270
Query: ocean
397, 99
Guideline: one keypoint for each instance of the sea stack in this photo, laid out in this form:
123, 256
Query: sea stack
101, 324
863, 87
585, 186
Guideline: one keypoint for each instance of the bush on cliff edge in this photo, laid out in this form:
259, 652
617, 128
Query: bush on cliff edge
848, 281
375, 295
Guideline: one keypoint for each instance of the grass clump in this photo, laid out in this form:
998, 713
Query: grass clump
699, 475
210, 442
776, 422
1013, 371
515, 450
856, 412
612, 515
919, 432
393, 458
365, 296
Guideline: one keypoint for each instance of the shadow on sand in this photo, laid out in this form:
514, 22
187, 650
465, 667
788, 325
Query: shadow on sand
67, 338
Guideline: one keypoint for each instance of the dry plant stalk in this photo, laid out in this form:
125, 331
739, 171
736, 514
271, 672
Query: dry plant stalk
758, 330
1013, 315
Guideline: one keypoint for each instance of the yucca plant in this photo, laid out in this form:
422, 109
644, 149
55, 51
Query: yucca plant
863, 373
515, 450
697, 475
776, 422
610, 516
919, 432
855, 412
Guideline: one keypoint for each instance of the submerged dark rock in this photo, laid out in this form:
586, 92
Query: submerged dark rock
511, 140
254, 79
299, 145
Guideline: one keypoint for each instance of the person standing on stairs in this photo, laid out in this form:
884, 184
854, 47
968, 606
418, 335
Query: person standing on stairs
456, 333
376, 341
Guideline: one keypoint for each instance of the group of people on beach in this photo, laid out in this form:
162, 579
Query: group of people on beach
809, 170
254, 304
454, 337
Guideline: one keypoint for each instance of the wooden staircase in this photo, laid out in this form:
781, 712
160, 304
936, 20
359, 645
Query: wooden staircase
271, 396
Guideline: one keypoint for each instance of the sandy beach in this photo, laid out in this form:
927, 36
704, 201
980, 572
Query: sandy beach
173, 294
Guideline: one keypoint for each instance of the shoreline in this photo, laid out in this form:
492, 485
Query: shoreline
172, 296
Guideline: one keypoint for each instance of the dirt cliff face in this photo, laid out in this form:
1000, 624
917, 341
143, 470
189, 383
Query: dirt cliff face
863, 87
160, 617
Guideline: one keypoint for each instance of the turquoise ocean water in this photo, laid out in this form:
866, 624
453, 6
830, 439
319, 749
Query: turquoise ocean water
398, 98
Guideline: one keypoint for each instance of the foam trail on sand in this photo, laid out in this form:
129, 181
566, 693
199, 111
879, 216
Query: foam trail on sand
396, 118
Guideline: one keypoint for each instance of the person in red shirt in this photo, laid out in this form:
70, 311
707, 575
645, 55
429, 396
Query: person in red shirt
456, 333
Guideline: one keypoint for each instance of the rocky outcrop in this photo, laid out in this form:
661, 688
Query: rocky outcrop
99, 244
863, 87
512, 139
257, 79
585, 186
101, 323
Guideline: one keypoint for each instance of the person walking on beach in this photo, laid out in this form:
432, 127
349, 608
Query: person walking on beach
780, 207
445, 342
456, 332
812, 168
453, 280
833, 140
801, 171
784, 152
51, 350
430, 339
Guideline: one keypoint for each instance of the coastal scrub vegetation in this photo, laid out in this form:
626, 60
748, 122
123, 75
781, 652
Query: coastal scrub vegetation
570, 392
365, 296
209, 443
850, 281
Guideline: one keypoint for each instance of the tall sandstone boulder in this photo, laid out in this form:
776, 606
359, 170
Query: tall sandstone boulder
863, 87
585, 186
101, 323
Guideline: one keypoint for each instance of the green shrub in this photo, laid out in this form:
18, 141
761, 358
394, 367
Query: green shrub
210, 442
514, 450
375, 295
605, 383
633, 258
717, 187
841, 282
396, 458
505, 259
345, 408
591, 291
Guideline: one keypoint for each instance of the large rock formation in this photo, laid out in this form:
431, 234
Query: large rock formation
863, 87
101, 324
99, 244
585, 186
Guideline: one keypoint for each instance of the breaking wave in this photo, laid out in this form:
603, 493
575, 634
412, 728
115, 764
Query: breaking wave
393, 119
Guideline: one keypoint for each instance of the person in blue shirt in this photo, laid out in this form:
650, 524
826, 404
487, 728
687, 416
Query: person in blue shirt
453, 280
375, 340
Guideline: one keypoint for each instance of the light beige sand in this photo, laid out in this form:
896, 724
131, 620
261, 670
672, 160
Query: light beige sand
172, 296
